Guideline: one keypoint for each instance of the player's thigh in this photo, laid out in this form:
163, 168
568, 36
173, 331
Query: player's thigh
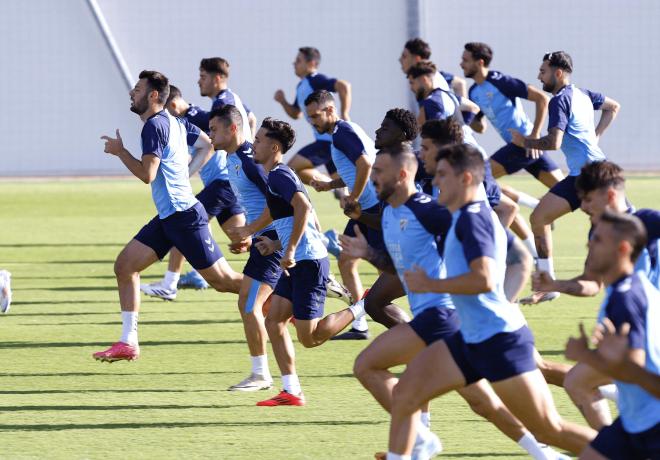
583, 378
236, 220
550, 208
393, 347
299, 162
497, 169
386, 289
589, 453
219, 272
280, 311
135, 257
252, 295
550, 178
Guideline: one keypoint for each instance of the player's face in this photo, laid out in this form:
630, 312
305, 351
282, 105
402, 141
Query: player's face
594, 204
448, 182
301, 66
407, 60
384, 176
262, 146
468, 64
140, 97
547, 77
388, 134
429, 151
206, 83
417, 87
602, 254
319, 117
221, 135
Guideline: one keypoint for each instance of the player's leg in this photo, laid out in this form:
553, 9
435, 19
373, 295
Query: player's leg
5, 291
553, 372
506, 210
378, 301
394, 347
304, 162
545, 170
222, 277
519, 264
582, 384
521, 198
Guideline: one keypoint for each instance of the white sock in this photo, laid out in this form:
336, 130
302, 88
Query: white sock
260, 366
527, 200
531, 247
360, 323
391, 456
425, 418
291, 384
531, 445
129, 323
546, 265
170, 280
610, 392
357, 309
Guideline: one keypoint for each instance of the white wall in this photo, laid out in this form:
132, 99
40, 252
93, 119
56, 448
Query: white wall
63, 90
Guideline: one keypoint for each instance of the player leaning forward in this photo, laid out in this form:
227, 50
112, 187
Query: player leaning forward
181, 222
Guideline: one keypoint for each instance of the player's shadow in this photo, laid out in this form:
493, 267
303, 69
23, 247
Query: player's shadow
61, 245
124, 426
20, 345
107, 374
479, 455
552, 352
81, 392
61, 408
190, 322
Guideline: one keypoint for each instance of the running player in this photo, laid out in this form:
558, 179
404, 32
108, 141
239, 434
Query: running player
248, 180
617, 241
317, 153
571, 127
5, 291
218, 200
353, 153
181, 221
301, 289
494, 342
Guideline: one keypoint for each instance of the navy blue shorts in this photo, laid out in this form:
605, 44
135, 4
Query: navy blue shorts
435, 323
188, 231
318, 152
305, 287
514, 158
374, 237
565, 189
219, 201
493, 192
615, 443
500, 357
265, 269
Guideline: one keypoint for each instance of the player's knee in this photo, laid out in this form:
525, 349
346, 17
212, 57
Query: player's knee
361, 367
539, 218
483, 408
404, 400
307, 340
123, 268
575, 385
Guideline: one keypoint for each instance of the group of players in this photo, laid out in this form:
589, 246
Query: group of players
434, 223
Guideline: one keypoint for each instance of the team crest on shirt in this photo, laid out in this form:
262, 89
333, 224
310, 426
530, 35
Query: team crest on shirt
403, 223
237, 167
474, 208
490, 95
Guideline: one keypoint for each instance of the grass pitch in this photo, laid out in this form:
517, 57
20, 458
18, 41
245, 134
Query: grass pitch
60, 238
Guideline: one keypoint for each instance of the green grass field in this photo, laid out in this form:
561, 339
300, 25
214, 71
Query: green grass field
60, 238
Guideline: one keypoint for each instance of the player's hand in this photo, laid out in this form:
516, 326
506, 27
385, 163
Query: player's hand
240, 246
288, 260
613, 347
534, 153
320, 185
353, 209
354, 246
345, 116
238, 234
542, 282
279, 96
416, 279
265, 245
517, 138
577, 347
347, 201
113, 146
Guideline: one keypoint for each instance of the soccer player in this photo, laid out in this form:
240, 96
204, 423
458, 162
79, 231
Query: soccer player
217, 197
261, 273
571, 127
494, 342
352, 153
617, 241
301, 289
5, 291
181, 221
318, 152
414, 226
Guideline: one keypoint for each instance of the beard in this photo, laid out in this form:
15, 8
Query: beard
384, 191
550, 86
469, 73
420, 94
139, 107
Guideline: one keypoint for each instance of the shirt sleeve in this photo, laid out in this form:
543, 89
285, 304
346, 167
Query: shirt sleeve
256, 174
320, 81
597, 99
624, 307
651, 220
192, 132
154, 138
433, 109
348, 143
198, 117
246, 108
449, 77
509, 86
476, 233
434, 218
559, 111
284, 185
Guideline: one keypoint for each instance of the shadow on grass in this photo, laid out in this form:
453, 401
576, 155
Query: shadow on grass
114, 407
479, 455
61, 245
190, 322
124, 426
14, 345
80, 392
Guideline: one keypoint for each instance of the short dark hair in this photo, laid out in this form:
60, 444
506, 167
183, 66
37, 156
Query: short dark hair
215, 65
310, 54
229, 114
559, 60
156, 81
464, 157
481, 51
405, 120
320, 96
422, 68
418, 47
599, 175
281, 131
442, 132
174, 93
402, 153
627, 227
